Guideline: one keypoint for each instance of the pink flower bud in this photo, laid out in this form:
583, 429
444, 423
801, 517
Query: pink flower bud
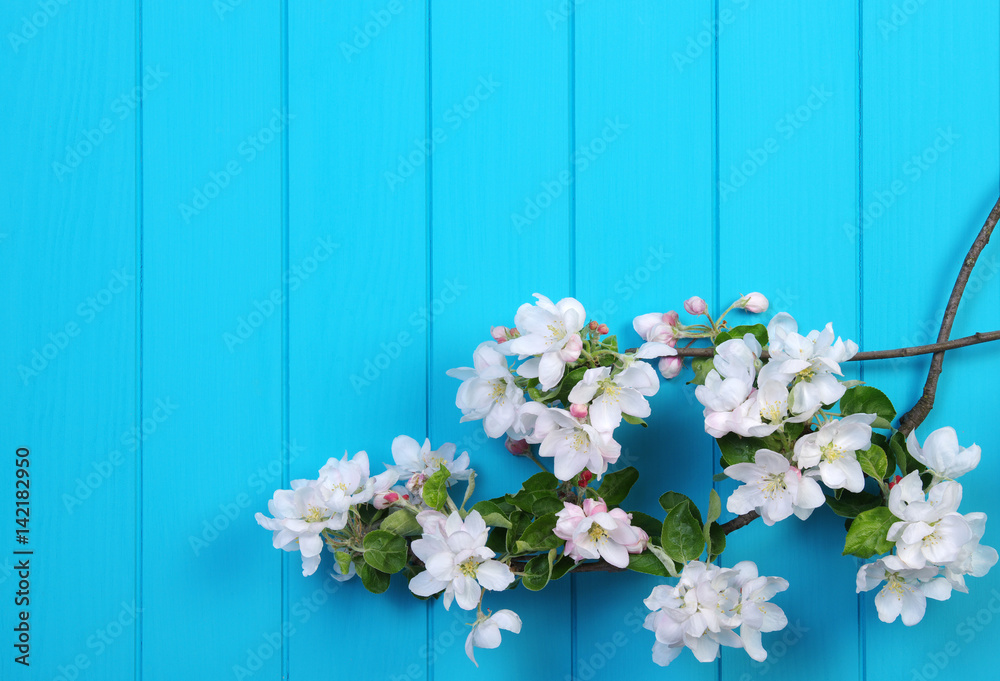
753, 302
895, 481
603, 329
670, 367
695, 305
517, 447
585, 477
571, 351
593, 326
578, 411
671, 318
499, 333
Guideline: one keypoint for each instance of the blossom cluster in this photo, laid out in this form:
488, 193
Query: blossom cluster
706, 606
327, 509
580, 386
751, 398
557, 384
935, 546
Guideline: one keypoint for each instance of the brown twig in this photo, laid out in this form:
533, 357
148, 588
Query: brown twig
922, 408
740, 521
912, 351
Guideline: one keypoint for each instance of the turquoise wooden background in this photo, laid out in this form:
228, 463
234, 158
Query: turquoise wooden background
230, 252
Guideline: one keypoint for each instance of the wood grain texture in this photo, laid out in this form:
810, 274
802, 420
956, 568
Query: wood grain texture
357, 339
500, 98
212, 257
788, 163
931, 171
645, 233
68, 269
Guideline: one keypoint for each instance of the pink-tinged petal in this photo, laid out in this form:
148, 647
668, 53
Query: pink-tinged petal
614, 553
594, 506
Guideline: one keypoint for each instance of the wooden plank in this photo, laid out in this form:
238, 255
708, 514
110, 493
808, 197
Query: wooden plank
644, 240
357, 337
788, 163
212, 340
500, 101
68, 266
931, 174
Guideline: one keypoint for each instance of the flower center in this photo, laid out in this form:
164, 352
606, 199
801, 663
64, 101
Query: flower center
499, 387
557, 330
772, 412
579, 440
341, 486
469, 567
611, 389
597, 533
831, 452
773, 485
314, 515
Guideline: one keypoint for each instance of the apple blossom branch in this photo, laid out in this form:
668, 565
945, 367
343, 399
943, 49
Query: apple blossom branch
922, 408
916, 415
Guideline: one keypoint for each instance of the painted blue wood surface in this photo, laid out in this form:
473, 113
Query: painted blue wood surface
266, 264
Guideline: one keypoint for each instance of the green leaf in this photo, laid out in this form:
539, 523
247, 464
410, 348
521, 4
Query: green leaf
385, 551
546, 505
668, 563
701, 367
538, 536
526, 500
759, 332
682, 536
519, 522
374, 580
402, 522
538, 571
850, 504
343, 561
866, 536
634, 420
562, 566
669, 500
615, 486
865, 399
540, 481
736, 449
714, 511
873, 462
492, 514
716, 541
647, 563
907, 464
435, 491
611, 342
468, 490
497, 541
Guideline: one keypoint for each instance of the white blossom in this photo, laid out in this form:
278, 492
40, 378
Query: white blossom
573, 445
456, 559
612, 395
774, 488
488, 390
414, 459
486, 631
906, 590
834, 450
942, 454
545, 329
